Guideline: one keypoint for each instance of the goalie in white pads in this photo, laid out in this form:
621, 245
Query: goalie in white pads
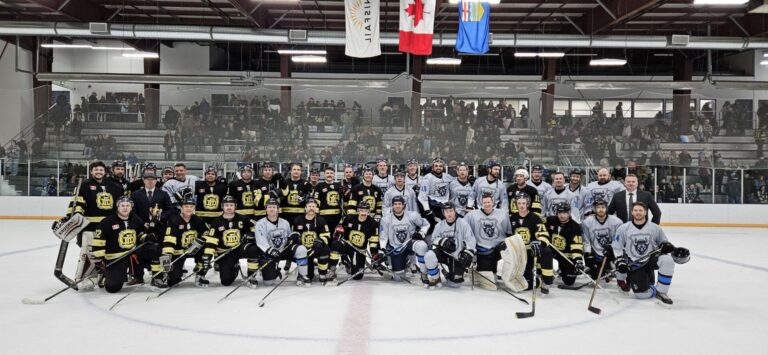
402, 234
532, 230
642, 248
490, 227
453, 245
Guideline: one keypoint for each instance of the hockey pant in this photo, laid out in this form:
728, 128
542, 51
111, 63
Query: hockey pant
321, 255
567, 271
544, 267
176, 273
398, 258
437, 256
293, 253
348, 256
116, 275
514, 258
594, 267
229, 265
642, 277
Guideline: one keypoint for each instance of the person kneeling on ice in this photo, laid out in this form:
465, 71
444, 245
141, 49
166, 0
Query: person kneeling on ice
117, 235
490, 227
184, 237
402, 234
356, 233
276, 242
314, 235
598, 231
532, 229
566, 240
641, 248
228, 233
453, 245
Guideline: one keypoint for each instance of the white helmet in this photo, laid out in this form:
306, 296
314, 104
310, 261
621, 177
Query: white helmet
522, 172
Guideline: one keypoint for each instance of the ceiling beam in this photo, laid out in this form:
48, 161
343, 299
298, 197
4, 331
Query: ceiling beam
247, 8
78, 10
612, 13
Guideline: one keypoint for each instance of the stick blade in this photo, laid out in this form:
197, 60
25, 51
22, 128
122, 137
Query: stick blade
32, 301
521, 315
594, 310
261, 304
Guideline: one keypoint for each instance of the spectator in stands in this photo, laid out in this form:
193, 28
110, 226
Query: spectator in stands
733, 189
620, 111
685, 159
168, 143
205, 110
524, 116
692, 193
75, 128
50, 187
171, 118
132, 159
13, 158
760, 137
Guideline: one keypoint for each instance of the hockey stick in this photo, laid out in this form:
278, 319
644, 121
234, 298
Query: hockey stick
263, 299
249, 278
78, 281
367, 254
588, 283
590, 307
503, 288
151, 297
521, 315
587, 275
182, 257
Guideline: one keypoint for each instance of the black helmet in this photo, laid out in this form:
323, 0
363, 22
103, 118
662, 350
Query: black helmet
118, 163
563, 207
188, 200
247, 167
364, 206
399, 173
228, 199
599, 201
522, 195
211, 169
577, 171
398, 198
537, 167
273, 201
448, 206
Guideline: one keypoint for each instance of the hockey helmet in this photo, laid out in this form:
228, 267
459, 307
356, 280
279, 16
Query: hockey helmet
124, 199
398, 198
150, 166
246, 167
599, 201
412, 162
522, 172
310, 200
314, 172
523, 196
492, 163
188, 200
364, 206
563, 207
538, 167
366, 169
681, 255
167, 169
577, 171
228, 199
272, 202
183, 193
211, 169
438, 160
399, 173
97, 164
118, 163
447, 206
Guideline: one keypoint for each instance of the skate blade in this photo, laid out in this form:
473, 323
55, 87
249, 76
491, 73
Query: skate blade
32, 301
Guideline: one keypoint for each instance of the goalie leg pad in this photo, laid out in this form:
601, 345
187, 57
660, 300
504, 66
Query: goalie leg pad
70, 228
85, 266
514, 258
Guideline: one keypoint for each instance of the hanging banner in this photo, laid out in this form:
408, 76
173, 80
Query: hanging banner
417, 24
362, 17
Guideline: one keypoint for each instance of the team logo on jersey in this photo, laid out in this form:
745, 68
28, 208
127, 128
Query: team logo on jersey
442, 189
104, 201
641, 246
448, 234
332, 199
489, 228
247, 199
126, 238
524, 233
371, 201
293, 197
401, 233
603, 239
210, 201
357, 238
308, 239
187, 238
463, 200
488, 191
277, 238
558, 241
231, 237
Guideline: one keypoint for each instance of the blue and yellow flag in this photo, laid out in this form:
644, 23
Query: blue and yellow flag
473, 26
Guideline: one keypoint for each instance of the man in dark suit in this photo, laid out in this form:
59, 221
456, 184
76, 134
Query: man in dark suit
152, 204
622, 201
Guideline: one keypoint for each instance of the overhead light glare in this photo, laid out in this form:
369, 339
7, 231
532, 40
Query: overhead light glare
141, 55
308, 59
108, 48
607, 62
444, 61
62, 45
488, 1
302, 51
720, 2
539, 54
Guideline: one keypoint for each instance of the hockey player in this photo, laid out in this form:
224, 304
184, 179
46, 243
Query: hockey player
602, 189
117, 235
641, 248
520, 186
533, 230
184, 233
402, 234
167, 174
118, 176
209, 193
399, 189
490, 184
598, 231
574, 186
179, 182
298, 192
362, 233
276, 242
229, 231
368, 192
349, 181
246, 192
412, 175
314, 180
434, 192
382, 179
269, 185
537, 171
559, 194
461, 191
490, 227
315, 236
565, 237
328, 195
453, 244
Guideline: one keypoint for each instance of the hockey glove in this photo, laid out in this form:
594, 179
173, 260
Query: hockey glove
294, 238
196, 245
448, 245
579, 264
622, 266
318, 244
608, 253
273, 253
589, 259
535, 248
377, 218
501, 247
150, 238
100, 264
417, 236
205, 262
165, 262
338, 234
466, 258
378, 258
666, 248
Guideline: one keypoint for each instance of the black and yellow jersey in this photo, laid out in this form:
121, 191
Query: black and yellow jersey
208, 198
96, 200
245, 193
311, 230
362, 235
123, 183
224, 234
293, 203
513, 190
261, 194
329, 198
566, 237
180, 233
371, 194
114, 236
530, 227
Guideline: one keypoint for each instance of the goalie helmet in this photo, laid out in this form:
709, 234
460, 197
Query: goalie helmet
681, 255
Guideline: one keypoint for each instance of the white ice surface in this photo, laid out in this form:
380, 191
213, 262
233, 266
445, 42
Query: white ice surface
720, 307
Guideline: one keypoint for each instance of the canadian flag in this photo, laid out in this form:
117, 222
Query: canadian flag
417, 23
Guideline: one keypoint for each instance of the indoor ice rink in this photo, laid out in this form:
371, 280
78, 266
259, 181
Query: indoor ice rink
127, 113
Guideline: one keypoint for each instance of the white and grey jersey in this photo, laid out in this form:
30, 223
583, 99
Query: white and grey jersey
496, 188
173, 185
489, 229
598, 236
408, 194
459, 230
578, 202
595, 191
412, 184
460, 195
552, 198
542, 187
395, 232
434, 190
384, 183
637, 243
272, 235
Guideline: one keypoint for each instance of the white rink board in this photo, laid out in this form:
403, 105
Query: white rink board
719, 307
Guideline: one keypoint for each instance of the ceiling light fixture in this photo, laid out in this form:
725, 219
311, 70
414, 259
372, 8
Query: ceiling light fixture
308, 59
444, 61
302, 51
62, 45
488, 1
720, 2
607, 62
141, 55
539, 54
108, 48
